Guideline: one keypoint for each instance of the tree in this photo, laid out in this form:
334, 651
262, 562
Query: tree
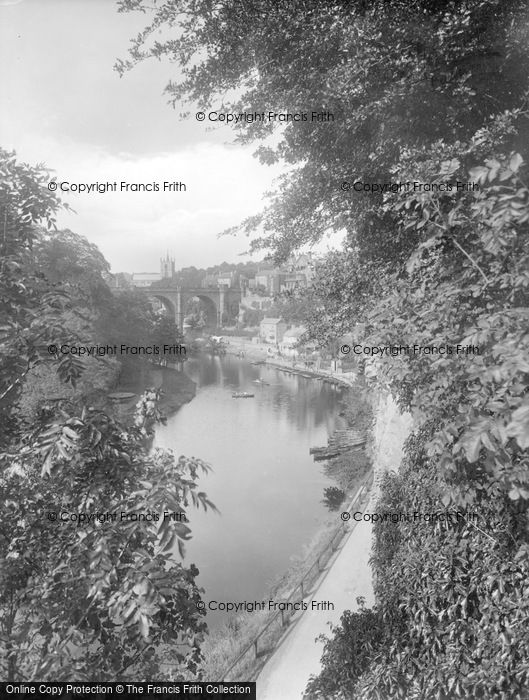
393, 74
67, 256
451, 598
434, 94
252, 317
166, 332
94, 599
89, 585
31, 309
127, 319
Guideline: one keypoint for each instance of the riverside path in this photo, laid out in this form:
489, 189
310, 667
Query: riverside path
297, 657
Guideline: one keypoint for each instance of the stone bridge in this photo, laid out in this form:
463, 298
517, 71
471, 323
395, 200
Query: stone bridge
218, 300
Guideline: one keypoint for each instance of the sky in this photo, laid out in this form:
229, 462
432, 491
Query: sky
65, 106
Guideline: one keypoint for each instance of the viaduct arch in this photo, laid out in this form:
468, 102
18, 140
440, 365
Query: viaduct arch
223, 299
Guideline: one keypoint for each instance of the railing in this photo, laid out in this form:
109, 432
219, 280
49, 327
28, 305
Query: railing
302, 588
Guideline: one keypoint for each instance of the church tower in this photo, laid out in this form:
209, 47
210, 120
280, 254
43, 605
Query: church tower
167, 267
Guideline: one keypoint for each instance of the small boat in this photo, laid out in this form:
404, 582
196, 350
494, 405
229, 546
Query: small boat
242, 395
260, 381
121, 396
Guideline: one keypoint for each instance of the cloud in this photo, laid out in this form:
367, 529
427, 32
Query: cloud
67, 108
132, 229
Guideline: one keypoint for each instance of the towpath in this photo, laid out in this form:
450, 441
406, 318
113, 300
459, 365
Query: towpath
286, 673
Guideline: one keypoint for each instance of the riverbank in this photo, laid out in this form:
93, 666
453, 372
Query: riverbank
177, 388
260, 352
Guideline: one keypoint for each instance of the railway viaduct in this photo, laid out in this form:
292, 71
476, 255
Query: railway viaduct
218, 300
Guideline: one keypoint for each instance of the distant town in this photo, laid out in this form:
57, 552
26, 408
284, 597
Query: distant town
239, 296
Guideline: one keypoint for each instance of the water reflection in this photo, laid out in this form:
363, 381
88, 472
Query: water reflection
265, 483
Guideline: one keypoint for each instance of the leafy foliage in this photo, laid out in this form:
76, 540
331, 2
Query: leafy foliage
452, 597
95, 596
393, 74
67, 256
89, 584
166, 332
422, 92
333, 497
30, 308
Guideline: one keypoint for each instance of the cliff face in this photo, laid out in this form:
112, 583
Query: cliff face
390, 431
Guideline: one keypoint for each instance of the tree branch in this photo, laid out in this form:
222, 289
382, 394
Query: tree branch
474, 263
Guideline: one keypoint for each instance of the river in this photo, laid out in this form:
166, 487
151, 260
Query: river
264, 482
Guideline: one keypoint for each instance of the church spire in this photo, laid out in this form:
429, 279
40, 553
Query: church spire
167, 266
